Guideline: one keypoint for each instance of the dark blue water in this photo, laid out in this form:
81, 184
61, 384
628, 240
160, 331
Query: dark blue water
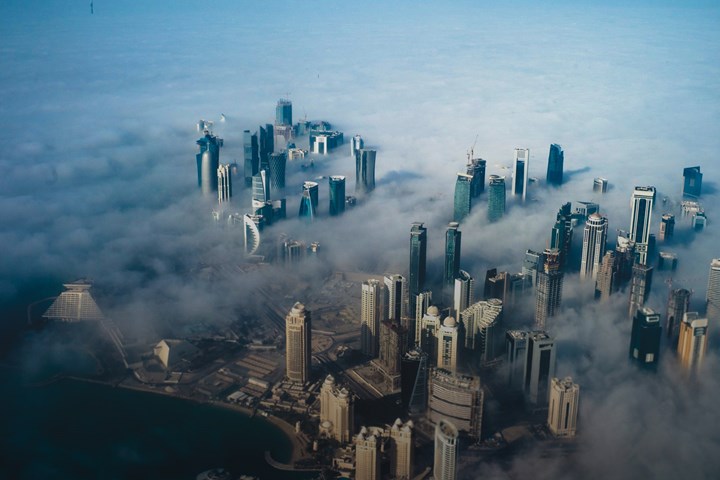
72, 429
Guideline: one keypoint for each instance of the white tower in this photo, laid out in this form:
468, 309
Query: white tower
446, 451
594, 238
521, 166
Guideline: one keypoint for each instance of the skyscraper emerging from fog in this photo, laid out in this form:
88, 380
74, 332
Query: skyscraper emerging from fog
556, 159
365, 170
496, 198
356, 143
418, 256
539, 368
549, 288
562, 234
337, 194
692, 342
476, 169
298, 344
641, 205
712, 297
224, 177
594, 238
606, 283
266, 145
277, 162
563, 407
447, 448
208, 161
372, 311
692, 186
251, 156
283, 112
667, 227
521, 166
309, 201
678, 305
463, 293
640, 287
645, 338
260, 189
453, 238
463, 197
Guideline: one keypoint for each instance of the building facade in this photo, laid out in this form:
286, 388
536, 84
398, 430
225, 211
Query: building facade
463, 197
496, 198
453, 238
337, 194
594, 239
365, 170
418, 259
372, 312
521, 167
447, 448
539, 368
298, 344
456, 398
548, 293
556, 158
337, 408
645, 338
641, 205
692, 342
563, 407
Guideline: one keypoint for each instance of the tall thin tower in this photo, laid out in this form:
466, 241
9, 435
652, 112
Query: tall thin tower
453, 238
594, 238
521, 165
298, 343
372, 311
712, 296
641, 205
418, 256
446, 451
549, 288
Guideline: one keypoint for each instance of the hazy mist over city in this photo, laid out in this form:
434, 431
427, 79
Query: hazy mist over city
99, 181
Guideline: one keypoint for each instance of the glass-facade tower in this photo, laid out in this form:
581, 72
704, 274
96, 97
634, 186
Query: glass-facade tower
496, 198
463, 197
453, 238
337, 194
555, 165
418, 255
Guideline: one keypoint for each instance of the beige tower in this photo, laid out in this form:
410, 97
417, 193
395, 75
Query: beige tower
563, 407
448, 345
298, 344
337, 410
372, 311
401, 450
367, 457
446, 451
693, 342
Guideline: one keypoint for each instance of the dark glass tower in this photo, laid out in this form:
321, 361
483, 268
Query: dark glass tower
678, 305
418, 255
337, 194
364, 170
251, 156
496, 198
693, 182
476, 168
555, 165
277, 162
645, 339
283, 112
309, 201
453, 237
463, 197
562, 233
207, 165
640, 287
266, 145
549, 288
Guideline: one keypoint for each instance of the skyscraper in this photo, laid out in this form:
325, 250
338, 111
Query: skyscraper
337, 194
457, 398
667, 227
414, 381
562, 234
75, 304
372, 311
396, 297
463, 295
549, 288
426, 331
367, 455
606, 282
309, 201
521, 166
283, 112
712, 297
298, 344
338, 408
224, 177
563, 407
418, 255
453, 238
539, 368
356, 143
266, 145
422, 306
277, 162
692, 185
645, 338
678, 305
447, 446
251, 156
640, 287
532, 264
555, 165
515, 356
600, 185
260, 189
207, 165
496, 198
594, 238
252, 224
448, 345
476, 169
393, 339
641, 205
463, 197
365, 170
692, 342
402, 451
481, 321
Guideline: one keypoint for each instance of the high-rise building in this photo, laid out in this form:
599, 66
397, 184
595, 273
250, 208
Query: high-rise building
556, 159
367, 455
372, 310
562, 234
283, 112
396, 297
515, 356
224, 178
337, 194
645, 338
453, 238
293, 251
207, 164
277, 162
549, 288
583, 210
463, 197
496, 198
482, 328
251, 156
356, 143
447, 447
606, 282
393, 341
457, 398
426, 330
692, 342
640, 287
422, 306
496, 285
463, 294
532, 264
309, 201
600, 185
266, 145
625, 257
563, 407
692, 186
298, 344
667, 261
667, 227
418, 255
641, 205
678, 305
322, 141
402, 451
476, 169
448, 345
365, 170
337, 407
698, 222
594, 238
712, 297
260, 189
539, 368
414, 381
252, 224
521, 166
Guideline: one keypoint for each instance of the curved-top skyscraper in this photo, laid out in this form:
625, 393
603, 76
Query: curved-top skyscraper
446, 451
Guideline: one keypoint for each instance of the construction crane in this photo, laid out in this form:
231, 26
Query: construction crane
471, 152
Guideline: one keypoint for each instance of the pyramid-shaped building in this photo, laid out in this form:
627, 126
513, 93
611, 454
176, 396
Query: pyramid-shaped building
75, 304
